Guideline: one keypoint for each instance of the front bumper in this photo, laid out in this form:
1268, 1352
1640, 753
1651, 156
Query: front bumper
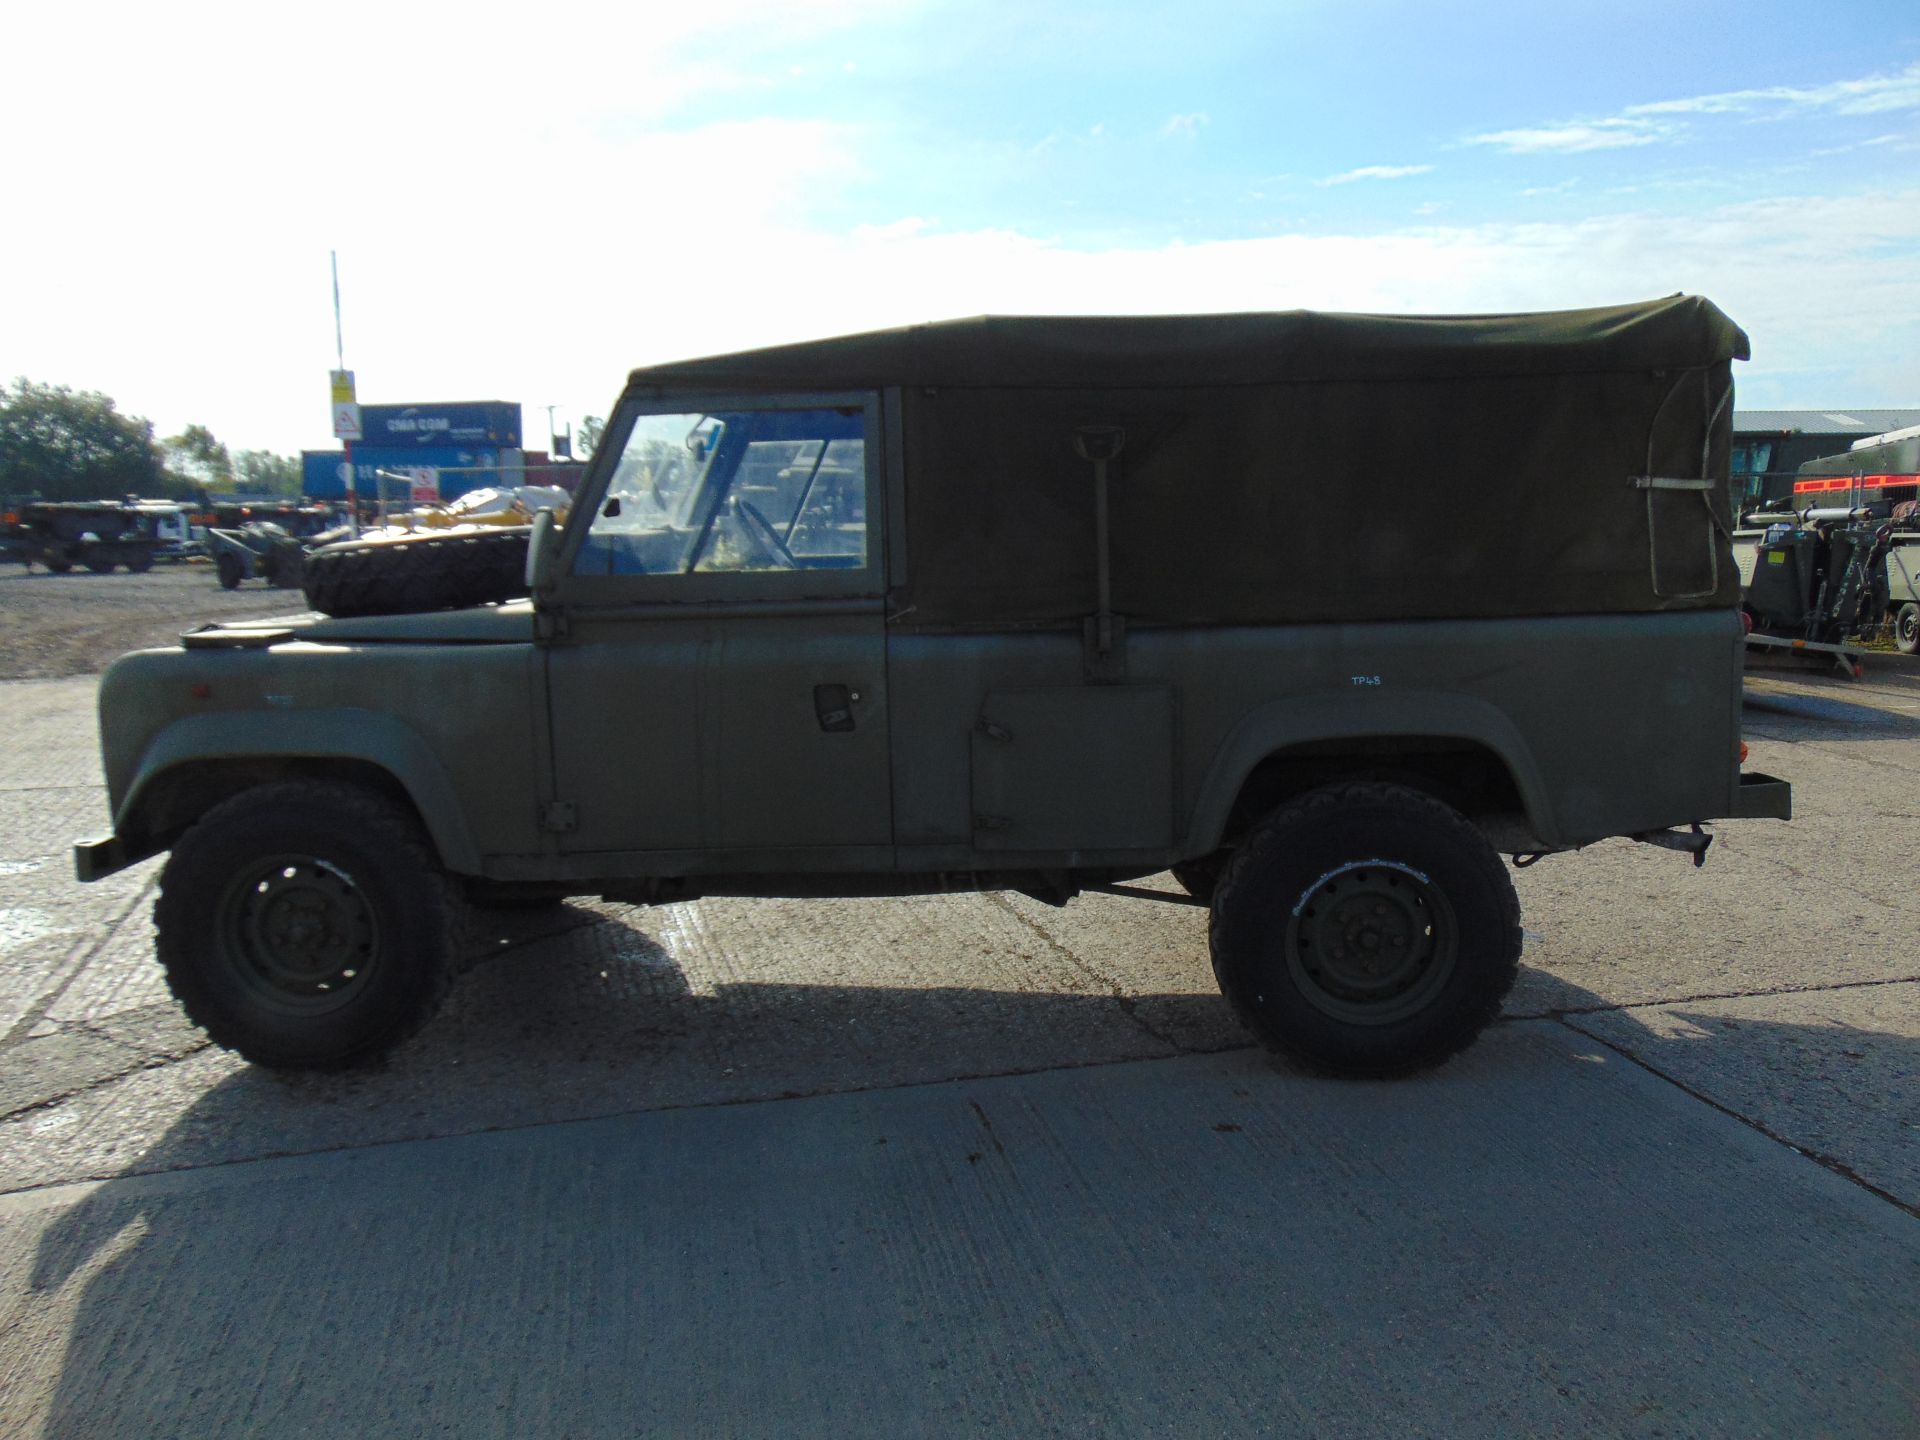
97, 859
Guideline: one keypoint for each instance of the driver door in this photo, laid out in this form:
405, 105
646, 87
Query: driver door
717, 691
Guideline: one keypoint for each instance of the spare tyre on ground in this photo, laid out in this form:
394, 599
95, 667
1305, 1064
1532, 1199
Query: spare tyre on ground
409, 574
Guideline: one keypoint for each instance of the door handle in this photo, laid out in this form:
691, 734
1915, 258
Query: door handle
833, 706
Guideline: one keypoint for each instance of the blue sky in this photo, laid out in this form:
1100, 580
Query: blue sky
1104, 126
527, 204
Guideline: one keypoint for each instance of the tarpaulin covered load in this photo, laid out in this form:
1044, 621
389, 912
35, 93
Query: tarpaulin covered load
1298, 466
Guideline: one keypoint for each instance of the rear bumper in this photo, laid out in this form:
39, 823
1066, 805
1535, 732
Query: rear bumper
1761, 797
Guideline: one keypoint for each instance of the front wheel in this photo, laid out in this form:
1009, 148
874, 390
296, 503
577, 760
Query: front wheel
307, 925
1199, 878
1365, 929
227, 567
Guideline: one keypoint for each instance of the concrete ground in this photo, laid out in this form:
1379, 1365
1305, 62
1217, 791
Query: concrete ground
974, 1165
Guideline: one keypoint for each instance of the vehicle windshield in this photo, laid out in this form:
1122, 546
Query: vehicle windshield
648, 510
778, 489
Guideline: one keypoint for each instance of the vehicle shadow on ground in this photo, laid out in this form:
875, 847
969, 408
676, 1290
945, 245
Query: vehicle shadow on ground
1839, 712
391, 1291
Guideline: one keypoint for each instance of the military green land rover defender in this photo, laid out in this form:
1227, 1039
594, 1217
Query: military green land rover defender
1324, 613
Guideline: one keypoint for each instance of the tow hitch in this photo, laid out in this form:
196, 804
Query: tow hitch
1693, 842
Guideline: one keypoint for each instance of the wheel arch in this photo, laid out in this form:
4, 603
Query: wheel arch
1461, 750
196, 763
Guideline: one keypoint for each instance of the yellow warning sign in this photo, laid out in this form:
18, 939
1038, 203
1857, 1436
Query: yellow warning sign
342, 386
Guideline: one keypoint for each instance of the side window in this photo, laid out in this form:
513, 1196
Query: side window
734, 491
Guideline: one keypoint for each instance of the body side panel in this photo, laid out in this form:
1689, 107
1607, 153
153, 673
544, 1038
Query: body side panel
453, 725
1607, 725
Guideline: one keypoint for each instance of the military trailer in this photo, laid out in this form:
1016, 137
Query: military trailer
99, 534
1882, 475
1030, 604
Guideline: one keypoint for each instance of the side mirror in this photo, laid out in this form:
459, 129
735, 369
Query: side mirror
543, 547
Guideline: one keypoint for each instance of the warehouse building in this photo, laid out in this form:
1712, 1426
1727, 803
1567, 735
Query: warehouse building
1770, 446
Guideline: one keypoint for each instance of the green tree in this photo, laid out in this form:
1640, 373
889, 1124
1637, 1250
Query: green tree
261, 472
200, 461
64, 444
587, 438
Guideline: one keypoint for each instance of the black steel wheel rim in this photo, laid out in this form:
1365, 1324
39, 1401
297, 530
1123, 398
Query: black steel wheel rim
1371, 942
298, 933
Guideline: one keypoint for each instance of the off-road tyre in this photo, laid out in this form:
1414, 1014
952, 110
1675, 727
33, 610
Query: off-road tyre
307, 925
1906, 629
139, 562
1297, 903
58, 564
229, 569
286, 571
418, 573
99, 564
1200, 878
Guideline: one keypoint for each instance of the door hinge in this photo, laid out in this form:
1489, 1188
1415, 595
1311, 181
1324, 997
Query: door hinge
549, 624
558, 818
992, 822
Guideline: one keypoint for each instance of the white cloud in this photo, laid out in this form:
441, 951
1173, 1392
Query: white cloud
1575, 137
1083, 139
1375, 172
1647, 124
1186, 127
1875, 143
234, 329
1871, 95
902, 229
193, 287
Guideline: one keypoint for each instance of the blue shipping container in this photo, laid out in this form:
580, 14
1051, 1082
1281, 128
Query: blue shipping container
483, 422
323, 473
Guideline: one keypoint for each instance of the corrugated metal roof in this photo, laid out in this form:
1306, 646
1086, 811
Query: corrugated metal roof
1822, 422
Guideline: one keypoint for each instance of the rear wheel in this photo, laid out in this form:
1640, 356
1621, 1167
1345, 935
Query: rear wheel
1365, 929
99, 564
307, 925
227, 567
1906, 629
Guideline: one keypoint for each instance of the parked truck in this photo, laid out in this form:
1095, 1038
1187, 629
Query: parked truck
1042, 605
96, 534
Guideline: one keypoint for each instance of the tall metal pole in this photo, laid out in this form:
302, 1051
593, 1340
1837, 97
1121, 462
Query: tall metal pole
340, 363
339, 345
